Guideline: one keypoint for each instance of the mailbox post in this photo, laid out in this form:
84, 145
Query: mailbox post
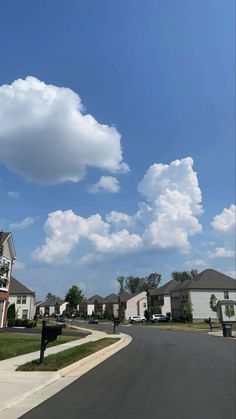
49, 334
116, 322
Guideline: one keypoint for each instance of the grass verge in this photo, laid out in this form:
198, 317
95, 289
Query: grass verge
14, 344
60, 360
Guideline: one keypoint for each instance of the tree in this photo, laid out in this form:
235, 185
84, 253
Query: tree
151, 282
213, 303
184, 275
73, 297
121, 282
229, 311
133, 284
188, 311
50, 297
11, 315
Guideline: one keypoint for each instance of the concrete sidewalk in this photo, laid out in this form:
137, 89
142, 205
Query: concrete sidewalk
20, 391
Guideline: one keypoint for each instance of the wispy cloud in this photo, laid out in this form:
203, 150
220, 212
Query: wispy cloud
14, 194
24, 223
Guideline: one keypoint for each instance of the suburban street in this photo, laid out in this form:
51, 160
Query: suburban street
161, 374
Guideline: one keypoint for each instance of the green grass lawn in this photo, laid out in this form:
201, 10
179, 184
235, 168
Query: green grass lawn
60, 360
202, 326
14, 344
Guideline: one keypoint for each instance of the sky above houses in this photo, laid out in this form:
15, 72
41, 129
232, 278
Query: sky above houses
117, 133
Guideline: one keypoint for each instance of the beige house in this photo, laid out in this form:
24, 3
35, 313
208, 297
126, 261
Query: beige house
7, 256
23, 298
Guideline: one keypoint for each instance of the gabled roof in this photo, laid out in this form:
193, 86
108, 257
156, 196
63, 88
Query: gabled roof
111, 299
16, 287
52, 303
94, 298
4, 236
164, 289
208, 279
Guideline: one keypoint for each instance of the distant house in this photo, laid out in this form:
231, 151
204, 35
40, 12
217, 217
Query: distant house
23, 298
136, 304
199, 291
7, 256
132, 304
53, 307
160, 297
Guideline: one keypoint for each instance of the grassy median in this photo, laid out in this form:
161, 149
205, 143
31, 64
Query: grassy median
14, 344
60, 360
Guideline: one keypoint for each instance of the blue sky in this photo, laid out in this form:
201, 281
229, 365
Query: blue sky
117, 153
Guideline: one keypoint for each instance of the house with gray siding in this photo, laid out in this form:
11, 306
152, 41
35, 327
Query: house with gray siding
7, 257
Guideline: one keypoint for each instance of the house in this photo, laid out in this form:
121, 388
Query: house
7, 256
23, 298
136, 304
160, 298
53, 307
131, 304
198, 291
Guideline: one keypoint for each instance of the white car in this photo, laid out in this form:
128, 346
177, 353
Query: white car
137, 319
156, 318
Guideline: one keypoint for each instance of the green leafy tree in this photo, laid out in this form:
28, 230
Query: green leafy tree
188, 311
73, 297
229, 311
151, 282
213, 303
11, 315
133, 284
184, 275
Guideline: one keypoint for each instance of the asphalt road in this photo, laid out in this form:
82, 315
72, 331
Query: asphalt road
161, 374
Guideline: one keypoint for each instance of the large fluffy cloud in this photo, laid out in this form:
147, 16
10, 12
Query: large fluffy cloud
46, 137
225, 222
166, 221
174, 196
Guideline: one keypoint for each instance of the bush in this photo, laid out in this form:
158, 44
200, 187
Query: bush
25, 323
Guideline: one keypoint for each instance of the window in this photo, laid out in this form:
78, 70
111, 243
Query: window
18, 300
24, 299
24, 314
226, 295
232, 309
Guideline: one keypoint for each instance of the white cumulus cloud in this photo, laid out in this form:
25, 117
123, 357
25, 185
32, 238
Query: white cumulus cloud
225, 222
107, 184
221, 252
167, 220
46, 137
174, 196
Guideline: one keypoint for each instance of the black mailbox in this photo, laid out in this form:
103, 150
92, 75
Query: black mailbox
51, 332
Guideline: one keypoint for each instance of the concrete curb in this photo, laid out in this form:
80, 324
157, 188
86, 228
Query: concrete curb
92, 360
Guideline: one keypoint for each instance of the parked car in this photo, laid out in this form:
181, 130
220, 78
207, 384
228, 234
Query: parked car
137, 319
93, 321
156, 318
60, 319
